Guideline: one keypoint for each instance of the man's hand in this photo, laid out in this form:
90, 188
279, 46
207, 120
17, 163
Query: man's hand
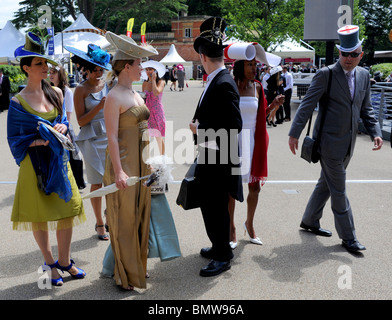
377, 143
193, 126
293, 144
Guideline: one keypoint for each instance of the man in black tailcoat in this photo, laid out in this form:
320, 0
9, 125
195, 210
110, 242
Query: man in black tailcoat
216, 124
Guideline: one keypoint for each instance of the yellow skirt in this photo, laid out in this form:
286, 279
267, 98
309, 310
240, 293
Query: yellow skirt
34, 210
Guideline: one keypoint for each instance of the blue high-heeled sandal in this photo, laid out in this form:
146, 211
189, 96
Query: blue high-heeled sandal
80, 275
55, 282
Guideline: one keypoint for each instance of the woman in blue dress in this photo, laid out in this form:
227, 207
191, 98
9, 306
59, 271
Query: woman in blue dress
89, 100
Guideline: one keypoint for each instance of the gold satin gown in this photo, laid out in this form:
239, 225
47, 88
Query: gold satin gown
128, 210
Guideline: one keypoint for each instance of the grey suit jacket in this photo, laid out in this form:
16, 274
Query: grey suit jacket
342, 113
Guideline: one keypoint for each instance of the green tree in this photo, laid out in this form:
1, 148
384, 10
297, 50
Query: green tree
267, 22
27, 15
204, 7
377, 20
104, 14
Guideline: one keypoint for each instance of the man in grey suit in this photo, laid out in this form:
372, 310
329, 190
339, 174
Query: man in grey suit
349, 100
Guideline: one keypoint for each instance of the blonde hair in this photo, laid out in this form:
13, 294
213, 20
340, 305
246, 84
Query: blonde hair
119, 65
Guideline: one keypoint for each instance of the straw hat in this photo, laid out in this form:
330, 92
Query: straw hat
34, 47
127, 48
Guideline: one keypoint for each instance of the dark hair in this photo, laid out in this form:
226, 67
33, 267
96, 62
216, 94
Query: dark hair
157, 78
79, 61
211, 51
273, 87
238, 70
90, 66
49, 92
84, 64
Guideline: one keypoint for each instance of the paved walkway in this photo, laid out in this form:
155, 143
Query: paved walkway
292, 264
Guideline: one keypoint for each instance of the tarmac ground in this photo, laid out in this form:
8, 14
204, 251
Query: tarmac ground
292, 264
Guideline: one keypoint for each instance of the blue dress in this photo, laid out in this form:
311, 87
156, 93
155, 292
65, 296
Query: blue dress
92, 139
163, 240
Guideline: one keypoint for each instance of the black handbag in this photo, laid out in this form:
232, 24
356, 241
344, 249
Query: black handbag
309, 149
189, 195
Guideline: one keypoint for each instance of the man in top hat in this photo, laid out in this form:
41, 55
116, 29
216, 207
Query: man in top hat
216, 124
349, 100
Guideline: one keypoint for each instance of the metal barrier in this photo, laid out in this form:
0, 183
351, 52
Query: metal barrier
302, 82
381, 99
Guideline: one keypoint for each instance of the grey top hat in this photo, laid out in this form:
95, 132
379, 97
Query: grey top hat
349, 38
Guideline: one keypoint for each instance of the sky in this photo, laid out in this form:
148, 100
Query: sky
7, 9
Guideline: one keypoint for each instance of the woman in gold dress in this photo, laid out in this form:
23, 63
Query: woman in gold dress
128, 209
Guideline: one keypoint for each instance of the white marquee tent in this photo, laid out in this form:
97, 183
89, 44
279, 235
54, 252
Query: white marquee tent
10, 38
78, 35
293, 50
172, 57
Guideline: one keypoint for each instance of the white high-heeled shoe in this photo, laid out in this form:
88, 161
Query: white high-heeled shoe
233, 245
253, 240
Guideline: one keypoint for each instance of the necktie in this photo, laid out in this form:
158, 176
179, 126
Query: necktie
350, 79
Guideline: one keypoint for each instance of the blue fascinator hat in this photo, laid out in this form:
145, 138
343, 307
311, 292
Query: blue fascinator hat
94, 55
34, 47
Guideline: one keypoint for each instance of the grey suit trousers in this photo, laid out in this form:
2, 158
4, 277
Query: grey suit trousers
331, 184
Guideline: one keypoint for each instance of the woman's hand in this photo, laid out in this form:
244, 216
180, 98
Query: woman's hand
278, 101
39, 142
60, 127
153, 76
101, 104
121, 180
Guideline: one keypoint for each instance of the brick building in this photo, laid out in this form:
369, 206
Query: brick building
184, 31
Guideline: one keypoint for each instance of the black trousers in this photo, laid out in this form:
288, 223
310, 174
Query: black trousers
215, 210
286, 104
217, 223
279, 115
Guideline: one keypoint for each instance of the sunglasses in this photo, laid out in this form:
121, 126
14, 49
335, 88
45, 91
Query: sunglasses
352, 54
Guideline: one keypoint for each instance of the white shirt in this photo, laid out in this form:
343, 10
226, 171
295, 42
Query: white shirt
209, 79
264, 80
68, 100
289, 80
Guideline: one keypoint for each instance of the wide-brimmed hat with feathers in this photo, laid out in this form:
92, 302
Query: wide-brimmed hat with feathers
127, 48
94, 55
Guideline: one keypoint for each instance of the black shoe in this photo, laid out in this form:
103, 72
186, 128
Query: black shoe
206, 253
353, 245
214, 268
317, 231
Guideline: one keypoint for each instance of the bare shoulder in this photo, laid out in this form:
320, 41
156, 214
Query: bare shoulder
15, 99
58, 91
80, 91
